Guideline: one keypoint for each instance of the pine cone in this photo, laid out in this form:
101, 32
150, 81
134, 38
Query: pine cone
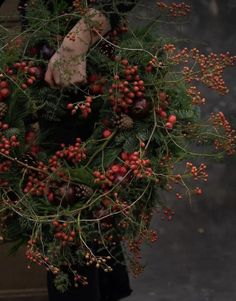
107, 49
123, 122
28, 159
65, 194
3, 109
83, 191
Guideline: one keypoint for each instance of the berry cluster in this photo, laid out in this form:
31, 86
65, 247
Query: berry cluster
98, 261
168, 214
5, 165
35, 184
198, 173
126, 89
120, 206
115, 174
161, 110
33, 254
171, 121
196, 96
7, 143
63, 233
211, 68
207, 69
84, 107
23, 73
73, 153
4, 90
163, 103
175, 9
228, 143
134, 247
169, 48
151, 64
150, 235
198, 191
140, 167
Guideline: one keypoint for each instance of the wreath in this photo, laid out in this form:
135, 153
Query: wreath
74, 203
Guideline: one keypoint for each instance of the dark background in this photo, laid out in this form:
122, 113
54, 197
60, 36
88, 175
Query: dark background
194, 259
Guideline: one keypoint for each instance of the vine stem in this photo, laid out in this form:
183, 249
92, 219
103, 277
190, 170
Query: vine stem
117, 212
100, 148
23, 164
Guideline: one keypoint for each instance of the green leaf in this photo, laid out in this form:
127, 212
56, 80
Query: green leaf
82, 175
111, 155
131, 144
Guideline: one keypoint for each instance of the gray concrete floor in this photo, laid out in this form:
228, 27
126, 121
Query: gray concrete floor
194, 259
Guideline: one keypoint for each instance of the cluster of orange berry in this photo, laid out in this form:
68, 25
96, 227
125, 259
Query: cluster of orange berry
84, 107
198, 191
212, 67
198, 173
175, 9
195, 94
227, 143
208, 69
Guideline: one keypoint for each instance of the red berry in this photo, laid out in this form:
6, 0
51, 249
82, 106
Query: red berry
96, 89
24, 86
163, 114
30, 81
172, 119
106, 133
92, 78
148, 69
169, 125
4, 84
124, 62
162, 96
70, 106
5, 92
124, 156
32, 70
115, 168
